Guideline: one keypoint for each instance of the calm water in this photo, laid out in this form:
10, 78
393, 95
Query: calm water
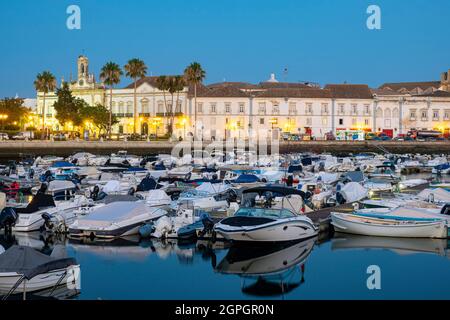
330, 267
333, 268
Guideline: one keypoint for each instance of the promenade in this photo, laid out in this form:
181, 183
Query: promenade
65, 148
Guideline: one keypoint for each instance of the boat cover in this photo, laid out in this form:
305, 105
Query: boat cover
246, 178
158, 195
353, 191
112, 186
148, 183
355, 176
215, 188
117, 212
439, 194
328, 178
62, 164
30, 263
40, 200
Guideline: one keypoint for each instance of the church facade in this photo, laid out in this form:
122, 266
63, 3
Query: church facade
240, 110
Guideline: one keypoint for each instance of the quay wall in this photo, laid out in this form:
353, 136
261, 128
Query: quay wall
12, 149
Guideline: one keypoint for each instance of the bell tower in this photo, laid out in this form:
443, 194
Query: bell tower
83, 71
445, 81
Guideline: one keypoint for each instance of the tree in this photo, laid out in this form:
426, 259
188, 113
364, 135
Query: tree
176, 84
14, 110
173, 85
110, 74
99, 116
162, 84
194, 75
45, 82
68, 107
135, 69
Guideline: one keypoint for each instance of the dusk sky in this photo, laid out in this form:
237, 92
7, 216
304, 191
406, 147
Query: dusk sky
323, 41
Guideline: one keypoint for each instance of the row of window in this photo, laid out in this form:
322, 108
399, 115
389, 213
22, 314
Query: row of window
436, 115
122, 108
293, 108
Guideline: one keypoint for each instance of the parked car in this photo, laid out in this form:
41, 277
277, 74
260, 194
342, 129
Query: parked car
4, 136
59, 137
24, 135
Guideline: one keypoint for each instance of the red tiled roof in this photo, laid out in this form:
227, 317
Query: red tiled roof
350, 91
409, 86
295, 93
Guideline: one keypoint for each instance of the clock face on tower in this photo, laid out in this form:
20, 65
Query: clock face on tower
81, 82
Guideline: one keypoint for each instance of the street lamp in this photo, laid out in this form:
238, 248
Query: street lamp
183, 123
3, 117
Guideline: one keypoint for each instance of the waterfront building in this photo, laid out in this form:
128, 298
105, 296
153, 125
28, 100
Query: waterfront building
267, 109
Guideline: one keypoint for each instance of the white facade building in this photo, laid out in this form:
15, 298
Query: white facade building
239, 110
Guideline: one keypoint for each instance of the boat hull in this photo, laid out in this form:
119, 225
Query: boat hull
40, 282
285, 231
428, 230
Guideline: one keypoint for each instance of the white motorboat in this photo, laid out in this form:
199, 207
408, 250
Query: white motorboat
265, 260
23, 269
388, 226
276, 221
115, 219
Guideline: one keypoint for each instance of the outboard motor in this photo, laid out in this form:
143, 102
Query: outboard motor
48, 225
290, 181
446, 209
48, 176
95, 192
8, 218
102, 195
208, 226
31, 173
340, 198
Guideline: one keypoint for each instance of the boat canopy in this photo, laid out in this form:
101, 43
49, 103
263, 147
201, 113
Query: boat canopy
281, 190
30, 263
60, 185
215, 188
62, 164
246, 178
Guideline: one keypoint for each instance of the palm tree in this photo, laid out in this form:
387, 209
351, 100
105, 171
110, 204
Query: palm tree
135, 69
194, 75
162, 84
175, 85
45, 82
110, 75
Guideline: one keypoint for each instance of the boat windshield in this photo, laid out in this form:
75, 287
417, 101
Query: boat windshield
264, 212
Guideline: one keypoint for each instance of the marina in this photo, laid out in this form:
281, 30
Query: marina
282, 226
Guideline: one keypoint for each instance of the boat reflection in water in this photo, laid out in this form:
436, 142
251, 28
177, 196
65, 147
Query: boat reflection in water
401, 246
37, 267
268, 270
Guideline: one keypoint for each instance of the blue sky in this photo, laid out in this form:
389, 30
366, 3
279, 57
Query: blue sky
325, 41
